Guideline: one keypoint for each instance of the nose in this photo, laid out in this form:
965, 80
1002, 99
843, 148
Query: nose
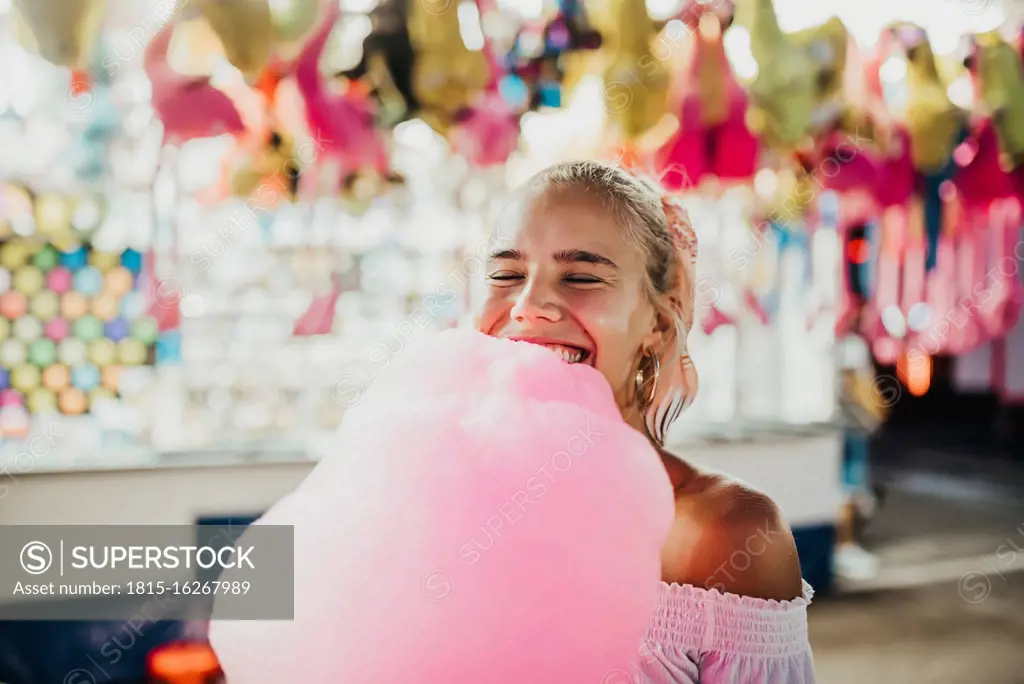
536, 303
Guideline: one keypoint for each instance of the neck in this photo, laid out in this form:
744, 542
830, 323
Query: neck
679, 472
633, 416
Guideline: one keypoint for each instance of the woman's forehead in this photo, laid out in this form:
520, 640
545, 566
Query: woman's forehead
562, 218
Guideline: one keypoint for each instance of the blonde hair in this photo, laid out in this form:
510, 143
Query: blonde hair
638, 207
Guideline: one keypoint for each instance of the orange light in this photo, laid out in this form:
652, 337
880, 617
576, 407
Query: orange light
859, 251
916, 373
81, 83
182, 663
267, 82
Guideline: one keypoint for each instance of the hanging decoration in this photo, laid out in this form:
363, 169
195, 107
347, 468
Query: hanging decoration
387, 62
784, 91
924, 194
636, 81
712, 138
341, 124
188, 107
292, 22
63, 32
537, 60
245, 29
488, 133
447, 77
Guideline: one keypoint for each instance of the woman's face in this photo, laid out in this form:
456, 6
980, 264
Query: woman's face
561, 275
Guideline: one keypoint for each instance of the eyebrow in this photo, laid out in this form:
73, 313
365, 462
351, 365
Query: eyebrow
567, 256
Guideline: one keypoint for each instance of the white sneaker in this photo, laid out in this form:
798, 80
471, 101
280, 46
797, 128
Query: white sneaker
854, 563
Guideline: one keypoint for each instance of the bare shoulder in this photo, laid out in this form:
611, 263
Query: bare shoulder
731, 537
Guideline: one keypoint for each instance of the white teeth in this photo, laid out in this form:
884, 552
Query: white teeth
566, 354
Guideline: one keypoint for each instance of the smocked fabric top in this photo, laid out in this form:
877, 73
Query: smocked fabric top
705, 636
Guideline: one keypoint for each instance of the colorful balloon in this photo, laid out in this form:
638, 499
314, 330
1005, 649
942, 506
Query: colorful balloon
42, 353
188, 108
13, 304
85, 376
11, 397
28, 280
244, 28
57, 329
292, 20
14, 254
104, 261
133, 305
42, 401
25, 378
168, 348
63, 32
104, 306
110, 376
118, 281
131, 352
44, 305
72, 401
75, 259
73, 305
56, 377
145, 330
53, 215
46, 258
59, 280
341, 123
13, 352
71, 352
87, 328
88, 280
132, 260
27, 328
117, 329
102, 352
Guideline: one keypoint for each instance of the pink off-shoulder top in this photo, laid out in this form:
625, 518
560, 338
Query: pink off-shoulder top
707, 637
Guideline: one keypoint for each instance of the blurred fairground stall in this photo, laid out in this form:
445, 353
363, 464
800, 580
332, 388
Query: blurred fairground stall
220, 221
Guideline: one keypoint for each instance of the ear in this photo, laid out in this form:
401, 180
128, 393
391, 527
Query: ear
661, 336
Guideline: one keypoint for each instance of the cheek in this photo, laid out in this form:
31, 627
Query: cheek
618, 329
488, 315
607, 316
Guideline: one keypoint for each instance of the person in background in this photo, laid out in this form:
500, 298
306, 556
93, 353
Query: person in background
862, 411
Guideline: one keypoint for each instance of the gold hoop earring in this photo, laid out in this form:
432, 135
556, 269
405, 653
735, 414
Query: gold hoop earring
640, 380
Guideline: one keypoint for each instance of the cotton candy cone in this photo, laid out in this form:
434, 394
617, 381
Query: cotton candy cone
486, 516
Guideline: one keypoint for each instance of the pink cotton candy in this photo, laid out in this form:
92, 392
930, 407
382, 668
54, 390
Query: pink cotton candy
486, 516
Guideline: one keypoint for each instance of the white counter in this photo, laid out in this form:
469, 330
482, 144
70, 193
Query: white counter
800, 472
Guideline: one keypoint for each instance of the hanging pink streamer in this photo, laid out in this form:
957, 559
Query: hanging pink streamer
188, 108
342, 126
319, 316
489, 133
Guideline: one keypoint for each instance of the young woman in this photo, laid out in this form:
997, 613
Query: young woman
597, 264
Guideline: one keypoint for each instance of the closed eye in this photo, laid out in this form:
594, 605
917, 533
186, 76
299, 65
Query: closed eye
582, 279
504, 276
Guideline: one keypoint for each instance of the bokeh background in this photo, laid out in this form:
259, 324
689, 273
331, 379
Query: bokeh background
220, 220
